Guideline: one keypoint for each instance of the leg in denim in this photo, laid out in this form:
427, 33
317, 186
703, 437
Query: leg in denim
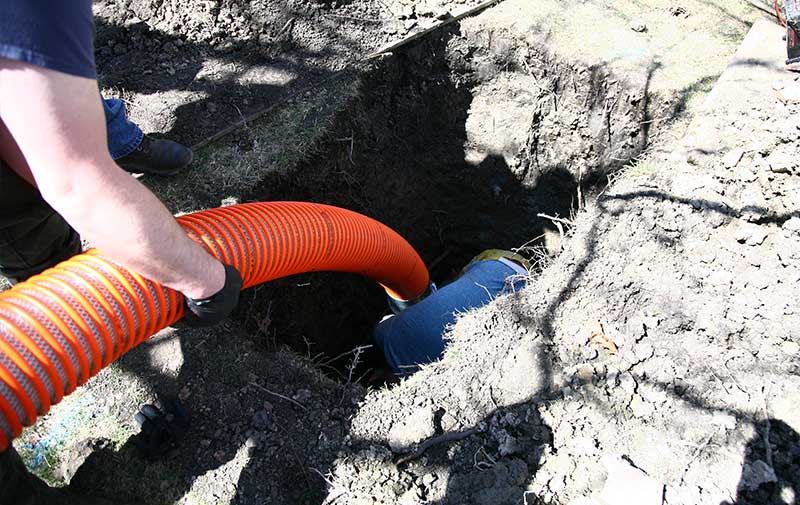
123, 135
415, 336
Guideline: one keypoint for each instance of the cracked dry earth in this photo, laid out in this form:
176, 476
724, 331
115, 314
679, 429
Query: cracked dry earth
689, 264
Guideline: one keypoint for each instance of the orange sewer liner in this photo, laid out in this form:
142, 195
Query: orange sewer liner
61, 327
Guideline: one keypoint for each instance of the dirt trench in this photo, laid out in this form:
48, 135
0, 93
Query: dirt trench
460, 145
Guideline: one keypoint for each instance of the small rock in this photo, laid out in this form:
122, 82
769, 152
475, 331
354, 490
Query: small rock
640, 407
733, 157
589, 353
779, 162
639, 27
627, 383
120, 49
792, 224
301, 395
725, 420
627, 484
225, 47
406, 11
428, 479
757, 473
261, 420
413, 429
790, 348
585, 373
751, 234
677, 10
509, 445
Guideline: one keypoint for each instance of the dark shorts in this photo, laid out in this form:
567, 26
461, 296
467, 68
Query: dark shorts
33, 237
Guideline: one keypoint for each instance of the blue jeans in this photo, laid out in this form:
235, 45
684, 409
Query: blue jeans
415, 336
123, 135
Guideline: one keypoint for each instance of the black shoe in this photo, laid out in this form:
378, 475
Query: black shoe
157, 157
792, 49
792, 32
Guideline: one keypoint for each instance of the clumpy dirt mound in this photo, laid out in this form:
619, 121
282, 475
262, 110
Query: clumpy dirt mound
667, 332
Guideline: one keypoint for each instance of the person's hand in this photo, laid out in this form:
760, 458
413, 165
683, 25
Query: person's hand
212, 310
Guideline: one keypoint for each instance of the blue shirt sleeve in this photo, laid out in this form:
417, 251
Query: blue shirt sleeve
55, 34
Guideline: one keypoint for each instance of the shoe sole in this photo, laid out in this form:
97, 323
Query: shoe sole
162, 174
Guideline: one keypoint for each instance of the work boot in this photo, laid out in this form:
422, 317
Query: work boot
792, 49
157, 157
792, 32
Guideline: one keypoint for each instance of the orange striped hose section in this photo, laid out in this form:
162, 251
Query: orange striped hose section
61, 327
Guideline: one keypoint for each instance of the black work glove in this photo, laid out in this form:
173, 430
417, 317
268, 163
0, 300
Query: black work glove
212, 310
161, 429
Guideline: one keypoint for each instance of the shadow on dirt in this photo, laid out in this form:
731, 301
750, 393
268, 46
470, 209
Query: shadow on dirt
191, 90
769, 473
762, 216
258, 424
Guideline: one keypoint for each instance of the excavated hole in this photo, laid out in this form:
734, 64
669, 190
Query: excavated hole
397, 154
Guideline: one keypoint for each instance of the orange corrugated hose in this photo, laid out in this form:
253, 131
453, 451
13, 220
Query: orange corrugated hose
61, 327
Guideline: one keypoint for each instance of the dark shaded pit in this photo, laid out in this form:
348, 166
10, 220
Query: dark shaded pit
401, 154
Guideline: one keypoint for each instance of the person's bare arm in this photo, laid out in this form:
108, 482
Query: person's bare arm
57, 122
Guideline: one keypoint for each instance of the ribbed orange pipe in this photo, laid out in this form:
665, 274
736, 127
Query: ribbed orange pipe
61, 327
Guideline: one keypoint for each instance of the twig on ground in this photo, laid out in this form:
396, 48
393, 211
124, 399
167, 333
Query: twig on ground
491, 397
325, 478
558, 222
308, 347
262, 388
342, 355
351, 368
556, 219
441, 439
332, 488
482, 465
286, 28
